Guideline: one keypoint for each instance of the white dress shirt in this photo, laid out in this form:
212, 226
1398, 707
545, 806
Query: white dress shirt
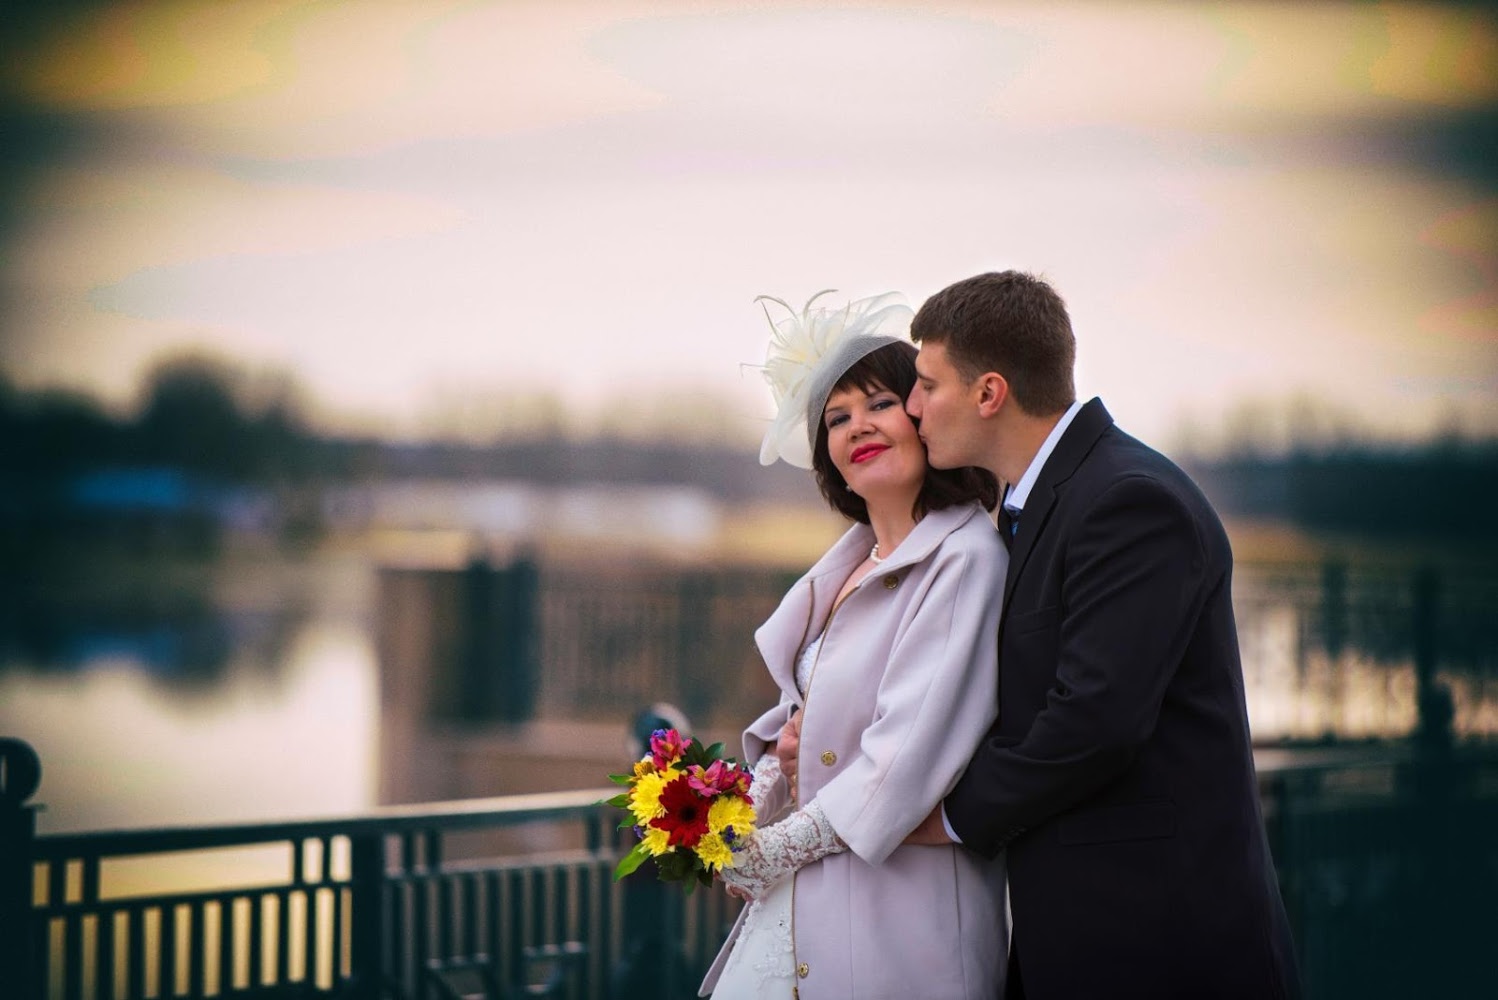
1014, 502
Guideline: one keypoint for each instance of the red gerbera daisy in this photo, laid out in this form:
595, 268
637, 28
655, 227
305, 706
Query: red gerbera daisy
686, 813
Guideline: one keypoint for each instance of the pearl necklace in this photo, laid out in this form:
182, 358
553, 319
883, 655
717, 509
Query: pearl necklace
874, 555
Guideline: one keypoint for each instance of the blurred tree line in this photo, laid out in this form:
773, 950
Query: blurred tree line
1444, 490
217, 427
1308, 463
197, 414
210, 420
107, 521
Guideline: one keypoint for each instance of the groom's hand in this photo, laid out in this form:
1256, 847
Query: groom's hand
932, 832
787, 746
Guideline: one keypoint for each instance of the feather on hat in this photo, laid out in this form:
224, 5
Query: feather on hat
809, 352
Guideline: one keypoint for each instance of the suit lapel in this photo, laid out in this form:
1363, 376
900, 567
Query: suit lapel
1088, 425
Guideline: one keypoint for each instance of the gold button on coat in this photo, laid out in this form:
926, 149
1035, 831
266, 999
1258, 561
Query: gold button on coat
803, 970
891, 582
829, 758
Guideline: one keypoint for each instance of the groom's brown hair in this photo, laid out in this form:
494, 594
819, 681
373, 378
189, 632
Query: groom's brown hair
1007, 322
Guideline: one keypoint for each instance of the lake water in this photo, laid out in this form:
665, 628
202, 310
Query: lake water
261, 701
281, 722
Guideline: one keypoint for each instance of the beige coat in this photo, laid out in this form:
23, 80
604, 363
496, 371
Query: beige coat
903, 690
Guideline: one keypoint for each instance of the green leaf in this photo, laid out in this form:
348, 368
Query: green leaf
631, 861
715, 752
674, 866
621, 779
620, 801
627, 823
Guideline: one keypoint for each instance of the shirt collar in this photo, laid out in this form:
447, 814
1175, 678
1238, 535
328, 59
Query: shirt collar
1014, 500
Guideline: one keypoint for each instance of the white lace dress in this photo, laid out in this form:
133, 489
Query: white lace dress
762, 963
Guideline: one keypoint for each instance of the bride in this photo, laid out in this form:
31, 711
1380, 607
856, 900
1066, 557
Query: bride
887, 648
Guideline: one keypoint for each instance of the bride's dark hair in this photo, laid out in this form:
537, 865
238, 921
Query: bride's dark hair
892, 367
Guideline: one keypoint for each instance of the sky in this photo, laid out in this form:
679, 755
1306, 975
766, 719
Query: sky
453, 218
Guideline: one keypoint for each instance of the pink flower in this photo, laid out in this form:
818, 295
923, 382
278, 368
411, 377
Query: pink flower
666, 747
718, 778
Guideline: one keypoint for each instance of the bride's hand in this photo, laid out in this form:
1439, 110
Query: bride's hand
787, 746
738, 893
750, 876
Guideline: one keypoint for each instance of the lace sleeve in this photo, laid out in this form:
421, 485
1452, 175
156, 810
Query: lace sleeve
769, 789
774, 852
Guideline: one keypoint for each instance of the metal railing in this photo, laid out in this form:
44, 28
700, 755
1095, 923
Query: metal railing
429, 901
1388, 864
1387, 856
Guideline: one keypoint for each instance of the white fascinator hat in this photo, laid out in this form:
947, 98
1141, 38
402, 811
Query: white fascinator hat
809, 351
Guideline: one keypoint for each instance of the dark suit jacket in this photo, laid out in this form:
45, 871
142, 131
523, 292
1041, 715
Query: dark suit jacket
1120, 774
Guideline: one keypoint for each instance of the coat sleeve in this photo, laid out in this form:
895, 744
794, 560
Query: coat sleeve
937, 697
766, 729
1137, 576
768, 802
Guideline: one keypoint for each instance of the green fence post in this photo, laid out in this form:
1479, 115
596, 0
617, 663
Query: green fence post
696, 674
496, 668
1334, 608
1433, 698
518, 626
367, 919
20, 947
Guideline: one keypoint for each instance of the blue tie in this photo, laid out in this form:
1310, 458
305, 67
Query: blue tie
1012, 516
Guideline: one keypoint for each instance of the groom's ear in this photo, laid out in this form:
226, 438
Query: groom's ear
992, 390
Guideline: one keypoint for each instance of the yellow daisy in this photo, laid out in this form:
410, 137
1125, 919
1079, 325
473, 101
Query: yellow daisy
656, 841
645, 796
730, 810
713, 852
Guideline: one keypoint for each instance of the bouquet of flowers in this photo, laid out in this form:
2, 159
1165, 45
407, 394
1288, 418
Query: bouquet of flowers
688, 805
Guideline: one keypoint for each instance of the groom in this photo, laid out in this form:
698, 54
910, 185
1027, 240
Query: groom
1120, 774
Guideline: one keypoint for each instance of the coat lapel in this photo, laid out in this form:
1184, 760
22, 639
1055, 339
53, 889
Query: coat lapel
1088, 425
806, 605
809, 601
